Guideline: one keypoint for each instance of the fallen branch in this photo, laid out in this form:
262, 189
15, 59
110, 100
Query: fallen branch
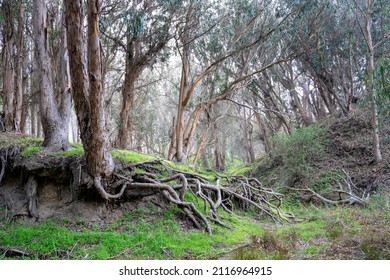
12, 252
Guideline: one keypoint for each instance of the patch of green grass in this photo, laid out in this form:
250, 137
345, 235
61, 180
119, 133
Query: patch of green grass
146, 233
131, 156
311, 249
129, 237
188, 167
76, 149
29, 151
326, 179
25, 141
238, 167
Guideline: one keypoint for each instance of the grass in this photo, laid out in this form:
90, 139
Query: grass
76, 149
7, 140
131, 156
149, 233
29, 151
129, 237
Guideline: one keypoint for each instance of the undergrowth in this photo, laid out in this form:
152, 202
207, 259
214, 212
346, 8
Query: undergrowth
299, 150
327, 233
133, 236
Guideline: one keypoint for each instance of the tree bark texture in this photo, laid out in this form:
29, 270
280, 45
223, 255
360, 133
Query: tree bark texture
54, 118
8, 65
87, 87
370, 84
19, 70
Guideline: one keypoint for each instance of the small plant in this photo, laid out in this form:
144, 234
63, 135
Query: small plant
334, 230
265, 246
311, 249
326, 179
375, 250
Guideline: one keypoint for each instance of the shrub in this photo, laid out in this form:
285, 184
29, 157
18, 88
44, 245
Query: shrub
299, 149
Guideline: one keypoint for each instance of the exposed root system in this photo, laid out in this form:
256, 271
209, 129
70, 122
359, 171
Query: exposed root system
137, 180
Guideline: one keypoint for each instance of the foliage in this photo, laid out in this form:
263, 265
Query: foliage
300, 149
382, 86
326, 233
326, 179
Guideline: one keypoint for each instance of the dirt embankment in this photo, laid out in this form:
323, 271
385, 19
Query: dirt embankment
38, 187
350, 147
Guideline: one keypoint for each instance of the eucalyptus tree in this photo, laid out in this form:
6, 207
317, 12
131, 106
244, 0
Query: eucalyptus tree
86, 76
375, 29
54, 112
13, 14
240, 36
141, 30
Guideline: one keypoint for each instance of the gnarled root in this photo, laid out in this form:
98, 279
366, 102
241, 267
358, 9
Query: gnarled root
239, 190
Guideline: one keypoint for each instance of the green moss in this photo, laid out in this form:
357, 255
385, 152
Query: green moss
29, 151
131, 156
24, 141
76, 149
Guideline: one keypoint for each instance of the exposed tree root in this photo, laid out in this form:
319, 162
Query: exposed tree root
7, 156
345, 192
226, 194
238, 192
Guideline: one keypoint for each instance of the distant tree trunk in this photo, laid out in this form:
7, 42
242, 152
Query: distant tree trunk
288, 81
8, 65
219, 150
65, 81
184, 96
53, 115
87, 89
264, 132
19, 70
126, 118
248, 133
139, 52
33, 107
370, 82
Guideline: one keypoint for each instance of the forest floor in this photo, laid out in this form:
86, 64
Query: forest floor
151, 228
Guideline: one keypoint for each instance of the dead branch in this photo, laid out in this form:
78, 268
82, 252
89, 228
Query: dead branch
11, 251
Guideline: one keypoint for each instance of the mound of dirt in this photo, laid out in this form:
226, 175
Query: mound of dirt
350, 148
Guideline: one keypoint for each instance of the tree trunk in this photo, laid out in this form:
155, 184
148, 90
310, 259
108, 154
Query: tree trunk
65, 81
8, 66
126, 118
265, 135
54, 121
220, 150
370, 85
19, 71
87, 88
184, 96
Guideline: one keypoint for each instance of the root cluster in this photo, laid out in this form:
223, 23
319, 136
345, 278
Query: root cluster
233, 193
